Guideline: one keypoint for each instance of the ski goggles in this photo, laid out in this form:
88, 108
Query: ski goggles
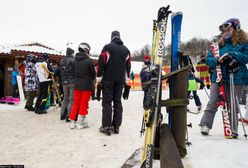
225, 27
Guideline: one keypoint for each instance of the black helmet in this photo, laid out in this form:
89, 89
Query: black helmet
45, 56
84, 47
31, 57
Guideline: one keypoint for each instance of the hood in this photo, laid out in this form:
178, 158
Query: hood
80, 56
117, 41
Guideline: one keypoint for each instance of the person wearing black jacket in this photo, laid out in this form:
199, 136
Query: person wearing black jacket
44, 70
66, 68
84, 75
114, 66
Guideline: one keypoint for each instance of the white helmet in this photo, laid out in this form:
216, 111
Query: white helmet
84, 47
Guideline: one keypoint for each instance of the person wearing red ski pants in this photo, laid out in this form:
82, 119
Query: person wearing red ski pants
80, 103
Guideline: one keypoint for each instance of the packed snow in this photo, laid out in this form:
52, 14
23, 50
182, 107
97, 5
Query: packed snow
43, 141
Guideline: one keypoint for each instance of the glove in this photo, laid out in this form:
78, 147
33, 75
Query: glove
233, 66
202, 86
208, 86
126, 92
227, 59
98, 91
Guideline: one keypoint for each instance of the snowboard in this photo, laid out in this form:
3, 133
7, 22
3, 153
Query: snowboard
20, 88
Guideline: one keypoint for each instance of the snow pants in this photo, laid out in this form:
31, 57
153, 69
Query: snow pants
68, 99
30, 98
112, 91
211, 109
80, 103
42, 95
15, 92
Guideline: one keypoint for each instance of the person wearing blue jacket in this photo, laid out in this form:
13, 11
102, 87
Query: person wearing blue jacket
233, 48
14, 74
145, 75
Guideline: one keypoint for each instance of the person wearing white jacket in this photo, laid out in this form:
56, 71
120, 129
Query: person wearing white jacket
44, 70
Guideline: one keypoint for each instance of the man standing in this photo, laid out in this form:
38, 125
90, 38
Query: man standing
31, 81
203, 70
114, 66
44, 70
67, 77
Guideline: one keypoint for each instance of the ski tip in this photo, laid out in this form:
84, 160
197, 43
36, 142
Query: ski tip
177, 14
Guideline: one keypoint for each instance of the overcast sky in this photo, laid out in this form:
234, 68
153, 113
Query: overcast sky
55, 22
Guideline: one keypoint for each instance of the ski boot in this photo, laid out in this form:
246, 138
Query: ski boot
105, 130
199, 108
72, 124
204, 130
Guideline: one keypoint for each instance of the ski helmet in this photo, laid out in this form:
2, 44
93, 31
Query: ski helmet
84, 47
234, 22
31, 57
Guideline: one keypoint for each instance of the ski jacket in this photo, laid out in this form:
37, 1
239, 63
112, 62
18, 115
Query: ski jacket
66, 68
31, 78
84, 71
14, 74
145, 75
43, 69
192, 83
238, 52
114, 62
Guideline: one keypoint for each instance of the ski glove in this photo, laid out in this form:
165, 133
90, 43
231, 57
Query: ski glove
227, 59
208, 86
98, 91
126, 91
233, 66
202, 86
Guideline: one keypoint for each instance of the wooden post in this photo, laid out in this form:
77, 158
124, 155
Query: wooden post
179, 113
169, 155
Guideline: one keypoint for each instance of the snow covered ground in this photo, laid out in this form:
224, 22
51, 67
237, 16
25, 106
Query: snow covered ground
43, 141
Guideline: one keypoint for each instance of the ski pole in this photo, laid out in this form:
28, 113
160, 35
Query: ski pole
232, 105
245, 135
206, 92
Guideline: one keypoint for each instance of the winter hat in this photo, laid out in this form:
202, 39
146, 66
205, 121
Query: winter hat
45, 56
147, 58
69, 51
115, 34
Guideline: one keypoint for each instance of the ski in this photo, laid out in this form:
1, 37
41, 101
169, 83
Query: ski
222, 103
151, 108
193, 112
176, 21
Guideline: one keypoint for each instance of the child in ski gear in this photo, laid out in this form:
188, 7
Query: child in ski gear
66, 68
14, 74
202, 68
84, 75
113, 73
145, 75
43, 69
31, 81
192, 87
233, 59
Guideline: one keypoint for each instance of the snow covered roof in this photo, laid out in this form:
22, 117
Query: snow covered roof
29, 47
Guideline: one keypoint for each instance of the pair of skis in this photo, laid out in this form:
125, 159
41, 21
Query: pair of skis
151, 107
152, 111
